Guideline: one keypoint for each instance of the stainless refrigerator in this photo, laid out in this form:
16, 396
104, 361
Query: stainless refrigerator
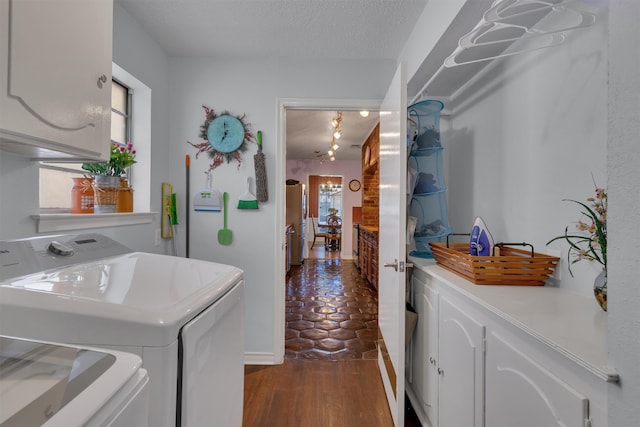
295, 216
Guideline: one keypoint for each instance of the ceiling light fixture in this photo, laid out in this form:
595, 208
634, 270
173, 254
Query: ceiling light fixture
335, 122
337, 133
364, 113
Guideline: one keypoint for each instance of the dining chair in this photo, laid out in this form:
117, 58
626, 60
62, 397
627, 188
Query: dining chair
317, 233
335, 231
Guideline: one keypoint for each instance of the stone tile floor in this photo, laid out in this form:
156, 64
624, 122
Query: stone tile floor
331, 312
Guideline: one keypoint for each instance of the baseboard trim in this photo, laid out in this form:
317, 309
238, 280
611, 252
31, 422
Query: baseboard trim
261, 359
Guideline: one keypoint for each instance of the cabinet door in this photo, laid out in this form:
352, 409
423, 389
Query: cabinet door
460, 367
423, 372
57, 76
430, 378
521, 392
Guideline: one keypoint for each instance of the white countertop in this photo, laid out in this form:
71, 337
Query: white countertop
571, 323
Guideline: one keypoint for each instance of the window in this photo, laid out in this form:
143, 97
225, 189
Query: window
325, 192
120, 112
55, 178
329, 201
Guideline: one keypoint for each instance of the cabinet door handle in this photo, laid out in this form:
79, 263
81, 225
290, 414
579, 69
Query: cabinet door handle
102, 79
440, 371
432, 360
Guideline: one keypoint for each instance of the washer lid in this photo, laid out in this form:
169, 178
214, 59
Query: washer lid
136, 299
37, 380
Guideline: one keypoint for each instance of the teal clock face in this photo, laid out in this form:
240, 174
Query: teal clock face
225, 133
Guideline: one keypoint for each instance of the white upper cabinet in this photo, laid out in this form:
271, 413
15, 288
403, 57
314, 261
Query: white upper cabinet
55, 73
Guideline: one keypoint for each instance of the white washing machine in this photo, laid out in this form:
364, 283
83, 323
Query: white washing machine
51, 385
183, 317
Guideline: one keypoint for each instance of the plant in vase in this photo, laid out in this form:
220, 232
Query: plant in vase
590, 243
107, 176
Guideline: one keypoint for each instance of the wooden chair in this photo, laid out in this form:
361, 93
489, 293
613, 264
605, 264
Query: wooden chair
335, 232
317, 234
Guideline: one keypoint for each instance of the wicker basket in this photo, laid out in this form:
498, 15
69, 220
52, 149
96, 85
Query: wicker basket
105, 193
512, 267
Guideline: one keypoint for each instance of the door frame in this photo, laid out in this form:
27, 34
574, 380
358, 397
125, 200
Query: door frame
284, 104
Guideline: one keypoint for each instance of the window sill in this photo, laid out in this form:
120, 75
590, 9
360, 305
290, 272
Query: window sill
64, 222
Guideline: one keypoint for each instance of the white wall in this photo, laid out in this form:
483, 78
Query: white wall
252, 87
532, 133
624, 211
348, 170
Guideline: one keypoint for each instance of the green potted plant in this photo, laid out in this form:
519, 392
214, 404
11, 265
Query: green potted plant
107, 176
590, 242
122, 157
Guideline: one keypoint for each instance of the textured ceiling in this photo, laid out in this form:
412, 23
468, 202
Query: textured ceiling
360, 29
309, 133
355, 29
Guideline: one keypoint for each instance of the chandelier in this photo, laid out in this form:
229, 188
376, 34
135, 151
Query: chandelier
330, 188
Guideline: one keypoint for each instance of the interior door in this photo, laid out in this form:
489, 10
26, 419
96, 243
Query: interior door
392, 240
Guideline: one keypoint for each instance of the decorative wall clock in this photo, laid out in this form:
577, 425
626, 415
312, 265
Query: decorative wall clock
225, 137
354, 185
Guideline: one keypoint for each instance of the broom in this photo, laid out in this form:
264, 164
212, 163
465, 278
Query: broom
261, 172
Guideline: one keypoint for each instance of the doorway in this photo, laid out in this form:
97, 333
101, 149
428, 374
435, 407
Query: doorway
325, 215
318, 332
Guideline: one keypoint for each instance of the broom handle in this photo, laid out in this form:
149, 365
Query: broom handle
187, 163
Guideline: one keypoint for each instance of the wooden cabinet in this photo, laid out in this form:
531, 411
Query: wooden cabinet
369, 254
55, 73
371, 179
355, 244
499, 356
448, 359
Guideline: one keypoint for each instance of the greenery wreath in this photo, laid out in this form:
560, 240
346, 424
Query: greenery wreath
218, 157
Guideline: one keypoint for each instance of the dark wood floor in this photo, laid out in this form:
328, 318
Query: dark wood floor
318, 393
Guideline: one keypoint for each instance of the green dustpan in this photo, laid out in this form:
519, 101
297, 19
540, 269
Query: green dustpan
248, 200
224, 235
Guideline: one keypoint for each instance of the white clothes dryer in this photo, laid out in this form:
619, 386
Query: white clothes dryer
183, 317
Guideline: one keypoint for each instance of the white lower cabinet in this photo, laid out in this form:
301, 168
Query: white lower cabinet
469, 365
448, 360
460, 366
423, 350
522, 392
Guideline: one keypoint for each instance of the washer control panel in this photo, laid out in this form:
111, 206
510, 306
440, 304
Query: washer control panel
27, 256
58, 248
